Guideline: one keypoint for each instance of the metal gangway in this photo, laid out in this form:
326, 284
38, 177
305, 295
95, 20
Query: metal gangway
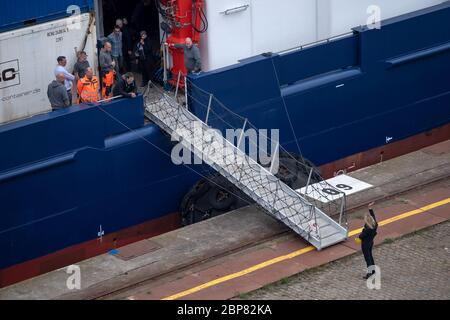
258, 182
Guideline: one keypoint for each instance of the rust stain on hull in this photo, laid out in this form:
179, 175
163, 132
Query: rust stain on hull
87, 250
387, 152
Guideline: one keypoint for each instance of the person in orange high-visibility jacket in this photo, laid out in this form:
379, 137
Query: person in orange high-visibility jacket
108, 83
88, 87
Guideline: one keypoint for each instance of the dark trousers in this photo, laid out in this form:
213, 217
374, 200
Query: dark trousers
145, 67
119, 66
69, 93
367, 248
126, 62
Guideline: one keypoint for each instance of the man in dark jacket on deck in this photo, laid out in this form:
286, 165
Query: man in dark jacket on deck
126, 87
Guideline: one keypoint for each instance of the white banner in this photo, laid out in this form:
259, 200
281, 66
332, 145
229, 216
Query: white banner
341, 183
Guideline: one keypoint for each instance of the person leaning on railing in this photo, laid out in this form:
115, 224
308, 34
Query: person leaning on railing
125, 87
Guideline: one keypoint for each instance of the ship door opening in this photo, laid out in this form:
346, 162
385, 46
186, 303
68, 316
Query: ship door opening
141, 15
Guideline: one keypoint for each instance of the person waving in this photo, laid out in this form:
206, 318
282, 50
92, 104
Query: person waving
367, 237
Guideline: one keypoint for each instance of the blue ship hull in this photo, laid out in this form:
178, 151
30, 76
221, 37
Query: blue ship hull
74, 175
346, 96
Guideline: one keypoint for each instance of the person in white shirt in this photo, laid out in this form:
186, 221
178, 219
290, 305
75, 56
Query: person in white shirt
68, 83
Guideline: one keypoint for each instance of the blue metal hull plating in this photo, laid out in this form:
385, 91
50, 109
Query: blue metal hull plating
349, 95
68, 175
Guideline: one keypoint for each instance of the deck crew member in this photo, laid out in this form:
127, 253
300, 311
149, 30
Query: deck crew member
126, 87
145, 59
88, 87
366, 238
127, 43
69, 78
57, 93
107, 72
192, 57
79, 69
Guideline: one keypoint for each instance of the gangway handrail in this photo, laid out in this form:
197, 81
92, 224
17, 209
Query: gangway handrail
323, 182
275, 197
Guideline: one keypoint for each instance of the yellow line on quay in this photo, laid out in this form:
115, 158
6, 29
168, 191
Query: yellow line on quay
297, 253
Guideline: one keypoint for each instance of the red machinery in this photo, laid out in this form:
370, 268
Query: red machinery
183, 19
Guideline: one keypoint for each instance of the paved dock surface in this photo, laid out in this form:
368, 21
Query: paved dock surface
412, 268
186, 251
265, 263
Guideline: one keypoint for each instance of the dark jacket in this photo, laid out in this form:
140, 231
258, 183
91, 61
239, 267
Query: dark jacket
127, 40
122, 88
368, 234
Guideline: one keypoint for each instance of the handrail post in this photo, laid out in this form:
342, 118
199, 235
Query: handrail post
275, 154
178, 85
165, 66
186, 91
317, 226
242, 134
342, 209
309, 181
209, 108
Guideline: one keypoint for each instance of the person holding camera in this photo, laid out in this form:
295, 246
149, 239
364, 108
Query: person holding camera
144, 58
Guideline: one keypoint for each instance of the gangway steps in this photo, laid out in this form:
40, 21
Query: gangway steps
270, 193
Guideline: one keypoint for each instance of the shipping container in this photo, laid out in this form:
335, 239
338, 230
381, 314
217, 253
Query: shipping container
237, 30
28, 59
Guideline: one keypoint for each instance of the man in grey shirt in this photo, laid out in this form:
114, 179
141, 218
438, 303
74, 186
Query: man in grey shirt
79, 69
57, 93
192, 58
106, 61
